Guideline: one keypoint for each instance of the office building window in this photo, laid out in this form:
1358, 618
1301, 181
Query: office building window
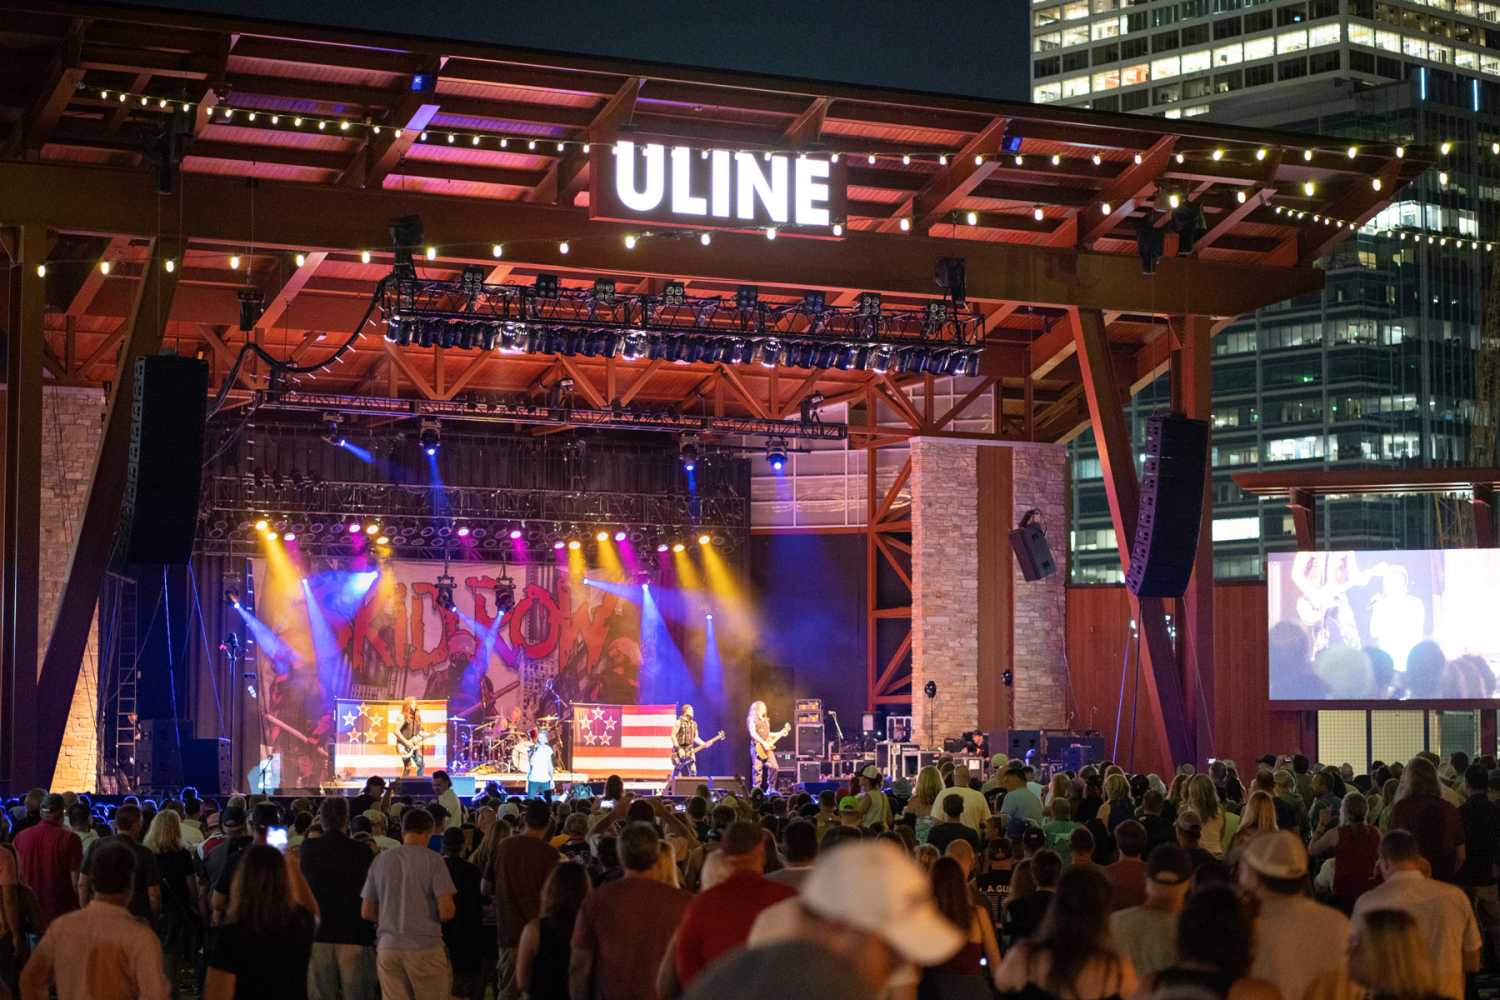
1323, 34
1132, 75
1198, 34
1046, 93
1107, 28
1390, 41
1414, 46
1162, 69
1076, 10
1292, 13
1291, 69
1077, 60
1225, 83
1167, 41
1260, 48
1235, 342
1107, 80
1105, 54
1291, 41
1226, 27
1046, 67
1046, 43
1242, 455
1259, 76
1229, 55
1465, 59
1196, 62
1169, 94
1324, 62
1235, 529
1195, 88
1439, 53
1076, 86
1105, 103
1262, 21
1134, 48
1297, 449
1363, 34
1044, 16
1135, 100
1075, 35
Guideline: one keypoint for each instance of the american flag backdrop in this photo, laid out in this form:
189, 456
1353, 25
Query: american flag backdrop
366, 743
633, 741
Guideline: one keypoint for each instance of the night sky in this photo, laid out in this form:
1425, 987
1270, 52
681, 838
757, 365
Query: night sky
973, 48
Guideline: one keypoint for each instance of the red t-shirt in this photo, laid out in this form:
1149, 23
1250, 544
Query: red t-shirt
719, 920
1439, 830
626, 925
48, 855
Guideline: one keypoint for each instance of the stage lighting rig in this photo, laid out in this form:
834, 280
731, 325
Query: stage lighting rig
950, 275
505, 593
674, 294
443, 589
776, 453
333, 430
810, 406
1189, 224
688, 454
430, 437
252, 304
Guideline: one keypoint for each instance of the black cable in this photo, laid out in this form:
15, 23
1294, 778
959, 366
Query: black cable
282, 367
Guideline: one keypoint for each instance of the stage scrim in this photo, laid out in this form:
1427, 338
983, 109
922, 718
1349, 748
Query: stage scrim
366, 742
633, 741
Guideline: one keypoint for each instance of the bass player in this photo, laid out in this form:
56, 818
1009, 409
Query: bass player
686, 744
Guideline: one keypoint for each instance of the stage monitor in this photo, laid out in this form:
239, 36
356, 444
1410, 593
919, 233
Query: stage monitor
1417, 625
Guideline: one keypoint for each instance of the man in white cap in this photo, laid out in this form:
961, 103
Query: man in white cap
1443, 914
870, 908
1301, 947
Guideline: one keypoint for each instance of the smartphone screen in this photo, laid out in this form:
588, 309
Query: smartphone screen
276, 837
607, 804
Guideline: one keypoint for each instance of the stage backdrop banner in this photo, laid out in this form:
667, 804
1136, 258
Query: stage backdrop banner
373, 632
633, 741
366, 743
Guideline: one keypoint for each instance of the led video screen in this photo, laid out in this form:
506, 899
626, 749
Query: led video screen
1376, 626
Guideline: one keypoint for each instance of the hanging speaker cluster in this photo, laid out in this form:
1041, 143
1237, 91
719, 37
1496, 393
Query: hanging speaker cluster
1166, 530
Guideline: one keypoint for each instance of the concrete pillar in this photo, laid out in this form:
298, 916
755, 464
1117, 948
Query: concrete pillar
1039, 479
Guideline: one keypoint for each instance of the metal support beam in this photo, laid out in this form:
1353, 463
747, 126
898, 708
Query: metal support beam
21, 767
1192, 387
1112, 435
101, 509
1304, 507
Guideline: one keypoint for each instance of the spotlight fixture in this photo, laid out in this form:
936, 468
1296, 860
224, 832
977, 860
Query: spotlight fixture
262, 525
688, 454
558, 544
662, 547
574, 545
333, 431
679, 547
232, 595
620, 536
355, 527
515, 534
463, 531
704, 539
443, 592
776, 453
290, 536
430, 438
601, 536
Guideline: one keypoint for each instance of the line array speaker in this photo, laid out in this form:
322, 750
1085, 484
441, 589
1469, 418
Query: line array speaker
159, 513
1171, 505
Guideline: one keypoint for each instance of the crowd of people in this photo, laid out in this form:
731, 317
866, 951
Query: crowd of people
1286, 881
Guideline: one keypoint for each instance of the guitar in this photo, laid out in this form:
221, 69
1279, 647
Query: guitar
411, 750
296, 734
764, 752
681, 755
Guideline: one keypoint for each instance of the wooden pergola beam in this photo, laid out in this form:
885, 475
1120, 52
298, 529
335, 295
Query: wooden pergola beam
951, 184
1123, 194
275, 309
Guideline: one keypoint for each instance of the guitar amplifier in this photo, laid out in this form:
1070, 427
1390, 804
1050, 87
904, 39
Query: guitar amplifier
809, 711
809, 771
786, 759
809, 739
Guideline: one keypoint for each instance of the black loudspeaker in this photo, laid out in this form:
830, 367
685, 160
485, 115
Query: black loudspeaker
728, 784
417, 788
206, 766
158, 764
1166, 531
810, 739
1033, 554
1018, 742
159, 513
809, 772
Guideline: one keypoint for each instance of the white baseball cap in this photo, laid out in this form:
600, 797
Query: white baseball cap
874, 887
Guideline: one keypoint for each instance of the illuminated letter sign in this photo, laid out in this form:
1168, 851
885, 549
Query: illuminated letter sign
680, 186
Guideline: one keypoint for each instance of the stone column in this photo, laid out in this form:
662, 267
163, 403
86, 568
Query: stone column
944, 600
1039, 479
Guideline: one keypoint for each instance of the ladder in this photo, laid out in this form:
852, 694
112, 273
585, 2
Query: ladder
119, 690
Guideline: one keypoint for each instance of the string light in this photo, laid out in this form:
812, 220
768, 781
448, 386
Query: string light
1105, 209
1260, 154
1020, 160
498, 250
629, 242
1443, 178
1139, 159
1446, 148
563, 247
1097, 159
1217, 155
1174, 199
870, 159
838, 230
297, 121
972, 218
364, 256
942, 159
1308, 187
1038, 214
1375, 183
1056, 160
1400, 152
979, 159
41, 270
169, 265
1180, 158
1353, 152
1239, 196
234, 262
905, 224
707, 238
474, 140
770, 232
344, 126
301, 259
1307, 154
104, 267
906, 159
432, 253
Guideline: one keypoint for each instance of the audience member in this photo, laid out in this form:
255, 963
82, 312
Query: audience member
522, 864
1215, 949
1127, 874
102, 949
48, 857
145, 896
408, 895
1481, 820
1432, 820
719, 919
542, 957
1071, 955
952, 826
1147, 933
1442, 912
800, 840
265, 945
1300, 943
968, 972
1389, 959
342, 963
462, 936
625, 927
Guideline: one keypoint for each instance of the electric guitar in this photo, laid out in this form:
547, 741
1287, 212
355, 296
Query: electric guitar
681, 755
763, 752
301, 737
411, 750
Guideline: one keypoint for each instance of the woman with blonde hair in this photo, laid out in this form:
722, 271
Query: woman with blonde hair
1258, 816
1060, 787
1218, 825
1117, 807
923, 797
1388, 957
180, 923
409, 739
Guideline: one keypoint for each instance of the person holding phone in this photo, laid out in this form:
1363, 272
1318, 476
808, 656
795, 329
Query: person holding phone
263, 820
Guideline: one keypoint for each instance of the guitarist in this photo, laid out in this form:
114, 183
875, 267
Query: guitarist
685, 743
762, 745
409, 739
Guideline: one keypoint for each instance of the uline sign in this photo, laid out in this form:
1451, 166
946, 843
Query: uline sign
714, 189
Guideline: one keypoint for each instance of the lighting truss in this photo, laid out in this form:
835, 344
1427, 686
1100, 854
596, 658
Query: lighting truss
664, 420
423, 521
545, 318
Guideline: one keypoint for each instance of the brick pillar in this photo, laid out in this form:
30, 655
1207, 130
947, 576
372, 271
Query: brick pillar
947, 602
72, 426
945, 588
1039, 479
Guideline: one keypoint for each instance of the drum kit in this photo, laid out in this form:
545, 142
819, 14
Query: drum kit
500, 746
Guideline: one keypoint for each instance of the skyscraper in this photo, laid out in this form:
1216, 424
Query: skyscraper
1378, 368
